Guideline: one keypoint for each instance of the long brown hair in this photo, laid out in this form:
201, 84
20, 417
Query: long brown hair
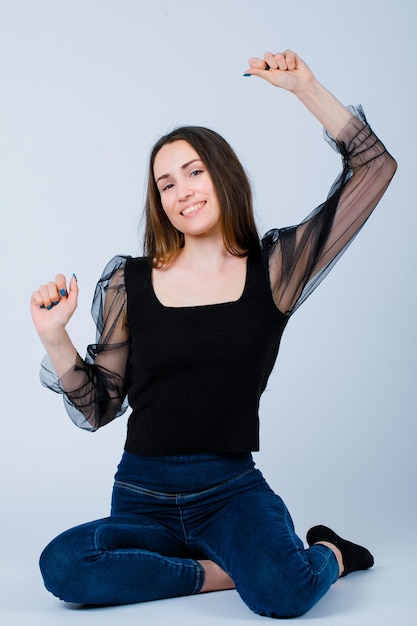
161, 240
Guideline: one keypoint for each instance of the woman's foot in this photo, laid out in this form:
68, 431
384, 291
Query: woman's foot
354, 557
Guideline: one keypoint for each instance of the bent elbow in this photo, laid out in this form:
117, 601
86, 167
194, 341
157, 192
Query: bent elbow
391, 166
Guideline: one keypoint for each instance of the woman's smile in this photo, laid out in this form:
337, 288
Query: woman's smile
192, 209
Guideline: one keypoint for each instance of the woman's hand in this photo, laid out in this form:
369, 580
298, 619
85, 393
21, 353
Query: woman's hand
286, 70
53, 305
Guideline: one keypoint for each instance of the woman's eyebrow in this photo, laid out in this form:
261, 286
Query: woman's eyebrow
183, 167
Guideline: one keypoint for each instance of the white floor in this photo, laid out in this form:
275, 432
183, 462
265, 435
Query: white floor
385, 595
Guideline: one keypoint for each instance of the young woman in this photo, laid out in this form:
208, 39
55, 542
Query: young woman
190, 333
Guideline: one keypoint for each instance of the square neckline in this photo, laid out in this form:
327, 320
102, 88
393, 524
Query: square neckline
201, 306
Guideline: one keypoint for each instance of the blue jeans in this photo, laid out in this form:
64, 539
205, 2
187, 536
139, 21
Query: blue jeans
167, 513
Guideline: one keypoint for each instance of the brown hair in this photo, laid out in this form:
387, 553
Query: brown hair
161, 240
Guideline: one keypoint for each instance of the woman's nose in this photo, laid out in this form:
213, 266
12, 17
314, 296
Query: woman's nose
184, 190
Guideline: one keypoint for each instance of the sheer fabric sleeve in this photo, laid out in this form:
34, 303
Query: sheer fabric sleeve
95, 388
299, 257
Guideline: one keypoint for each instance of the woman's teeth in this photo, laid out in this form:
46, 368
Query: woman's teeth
192, 209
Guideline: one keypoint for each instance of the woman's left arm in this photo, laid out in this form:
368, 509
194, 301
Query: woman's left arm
300, 256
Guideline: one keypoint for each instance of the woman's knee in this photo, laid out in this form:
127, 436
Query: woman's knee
61, 564
286, 606
280, 599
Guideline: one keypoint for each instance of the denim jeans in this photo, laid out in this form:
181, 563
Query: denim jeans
167, 513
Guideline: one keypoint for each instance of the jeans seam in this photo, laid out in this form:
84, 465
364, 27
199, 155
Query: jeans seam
182, 523
329, 556
148, 492
174, 496
199, 582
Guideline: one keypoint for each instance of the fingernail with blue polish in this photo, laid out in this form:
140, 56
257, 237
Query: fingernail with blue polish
42, 306
247, 74
75, 277
63, 292
49, 307
55, 303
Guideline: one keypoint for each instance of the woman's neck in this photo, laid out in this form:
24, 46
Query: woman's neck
203, 253
199, 275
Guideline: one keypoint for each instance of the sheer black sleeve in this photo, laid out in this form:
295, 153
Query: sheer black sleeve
95, 389
300, 256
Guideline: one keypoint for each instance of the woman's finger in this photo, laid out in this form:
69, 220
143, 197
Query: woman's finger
256, 67
73, 290
61, 283
290, 59
273, 60
257, 63
43, 291
36, 299
53, 293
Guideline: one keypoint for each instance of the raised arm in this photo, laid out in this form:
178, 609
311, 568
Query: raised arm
94, 388
300, 256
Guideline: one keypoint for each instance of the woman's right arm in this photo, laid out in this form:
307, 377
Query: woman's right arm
94, 388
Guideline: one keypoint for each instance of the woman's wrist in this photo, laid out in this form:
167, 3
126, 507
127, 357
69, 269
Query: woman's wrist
53, 336
60, 349
325, 107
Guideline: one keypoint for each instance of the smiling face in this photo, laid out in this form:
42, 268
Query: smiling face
186, 189
189, 167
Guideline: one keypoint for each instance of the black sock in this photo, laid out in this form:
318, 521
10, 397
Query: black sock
355, 557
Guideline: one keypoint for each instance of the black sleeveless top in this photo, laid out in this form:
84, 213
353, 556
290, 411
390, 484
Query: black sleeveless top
197, 373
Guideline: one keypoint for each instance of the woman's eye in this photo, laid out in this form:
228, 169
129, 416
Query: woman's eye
196, 172
167, 186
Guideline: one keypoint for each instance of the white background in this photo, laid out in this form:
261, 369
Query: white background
87, 86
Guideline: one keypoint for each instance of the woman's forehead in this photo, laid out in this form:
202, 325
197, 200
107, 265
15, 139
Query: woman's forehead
174, 156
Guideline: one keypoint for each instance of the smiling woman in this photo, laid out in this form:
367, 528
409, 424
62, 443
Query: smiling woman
232, 192
189, 333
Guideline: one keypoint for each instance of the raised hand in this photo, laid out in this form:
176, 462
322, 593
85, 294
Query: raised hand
288, 71
283, 69
53, 304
